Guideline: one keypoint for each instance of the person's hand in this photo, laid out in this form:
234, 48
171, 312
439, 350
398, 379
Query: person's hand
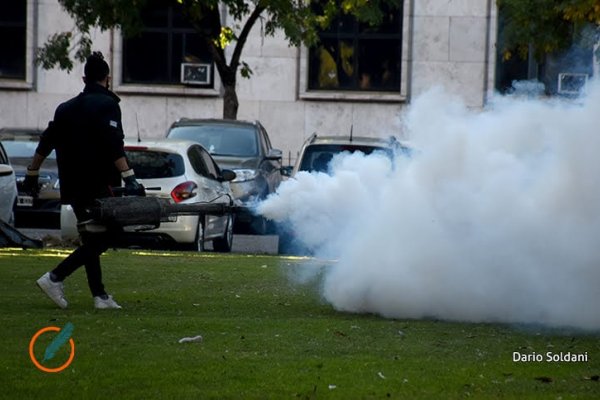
132, 186
30, 184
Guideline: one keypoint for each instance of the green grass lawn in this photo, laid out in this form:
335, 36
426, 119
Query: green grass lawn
264, 337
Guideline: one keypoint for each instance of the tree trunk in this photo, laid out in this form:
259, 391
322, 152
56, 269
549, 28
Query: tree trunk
228, 78
230, 101
228, 72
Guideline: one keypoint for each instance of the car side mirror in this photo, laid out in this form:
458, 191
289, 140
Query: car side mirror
287, 171
274, 154
227, 175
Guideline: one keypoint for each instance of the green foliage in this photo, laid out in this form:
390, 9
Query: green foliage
105, 14
87, 14
547, 25
299, 20
227, 36
56, 52
245, 70
264, 337
580, 11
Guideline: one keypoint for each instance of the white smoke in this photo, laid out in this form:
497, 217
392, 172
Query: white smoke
494, 218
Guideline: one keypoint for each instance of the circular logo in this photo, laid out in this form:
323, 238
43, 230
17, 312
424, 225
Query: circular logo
37, 363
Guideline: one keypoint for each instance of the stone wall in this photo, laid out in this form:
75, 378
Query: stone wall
446, 42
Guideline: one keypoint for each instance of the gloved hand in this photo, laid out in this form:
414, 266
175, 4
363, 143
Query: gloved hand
30, 184
132, 186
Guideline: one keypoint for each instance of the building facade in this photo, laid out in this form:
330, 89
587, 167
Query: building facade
291, 91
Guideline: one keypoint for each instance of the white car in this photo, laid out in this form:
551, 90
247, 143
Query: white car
245, 148
184, 172
8, 188
43, 210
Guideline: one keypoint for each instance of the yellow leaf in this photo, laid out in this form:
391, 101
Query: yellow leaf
225, 37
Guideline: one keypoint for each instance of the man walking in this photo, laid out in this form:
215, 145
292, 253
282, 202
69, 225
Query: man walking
87, 135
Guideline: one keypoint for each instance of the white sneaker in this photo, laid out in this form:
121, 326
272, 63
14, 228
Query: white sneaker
103, 304
54, 290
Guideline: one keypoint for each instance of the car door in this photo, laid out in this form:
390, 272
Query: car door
271, 164
8, 188
211, 188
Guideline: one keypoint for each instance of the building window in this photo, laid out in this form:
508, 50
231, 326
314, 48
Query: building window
563, 72
353, 56
167, 40
13, 39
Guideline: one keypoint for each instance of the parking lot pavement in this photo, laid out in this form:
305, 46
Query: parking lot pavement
40, 234
244, 244
254, 244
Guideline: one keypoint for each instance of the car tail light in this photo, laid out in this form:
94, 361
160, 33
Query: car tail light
184, 191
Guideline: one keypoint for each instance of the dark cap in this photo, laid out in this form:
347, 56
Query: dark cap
96, 69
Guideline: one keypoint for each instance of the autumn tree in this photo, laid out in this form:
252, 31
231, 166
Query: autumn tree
547, 26
297, 19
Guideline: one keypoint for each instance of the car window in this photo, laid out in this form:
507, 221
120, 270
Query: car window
210, 164
3, 156
264, 138
317, 156
155, 164
23, 148
197, 161
222, 140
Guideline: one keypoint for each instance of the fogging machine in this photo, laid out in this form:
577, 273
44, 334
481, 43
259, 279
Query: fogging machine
145, 212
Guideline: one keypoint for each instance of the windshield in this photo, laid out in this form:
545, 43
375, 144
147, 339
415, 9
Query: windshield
155, 164
317, 157
22, 148
220, 140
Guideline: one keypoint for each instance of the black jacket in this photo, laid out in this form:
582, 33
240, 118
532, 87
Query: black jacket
88, 137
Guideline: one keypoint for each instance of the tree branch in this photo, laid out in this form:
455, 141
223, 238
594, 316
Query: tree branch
241, 41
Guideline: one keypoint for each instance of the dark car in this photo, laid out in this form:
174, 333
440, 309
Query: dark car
42, 211
245, 148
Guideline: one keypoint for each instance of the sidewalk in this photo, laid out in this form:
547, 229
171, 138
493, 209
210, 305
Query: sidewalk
245, 244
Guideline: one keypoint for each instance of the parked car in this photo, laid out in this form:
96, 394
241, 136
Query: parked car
245, 148
42, 211
315, 156
318, 151
8, 188
185, 173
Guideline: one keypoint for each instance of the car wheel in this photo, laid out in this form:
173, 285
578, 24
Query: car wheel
198, 243
259, 225
225, 243
11, 219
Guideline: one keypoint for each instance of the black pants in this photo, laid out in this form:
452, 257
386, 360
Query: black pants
88, 254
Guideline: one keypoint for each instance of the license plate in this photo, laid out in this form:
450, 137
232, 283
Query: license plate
25, 201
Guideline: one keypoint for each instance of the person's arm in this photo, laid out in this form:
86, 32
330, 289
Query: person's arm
30, 184
132, 186
44, 147
111, 121
122, 164
36, 162
114, 136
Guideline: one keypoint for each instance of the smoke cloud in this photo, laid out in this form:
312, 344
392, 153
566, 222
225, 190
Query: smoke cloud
494, 218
